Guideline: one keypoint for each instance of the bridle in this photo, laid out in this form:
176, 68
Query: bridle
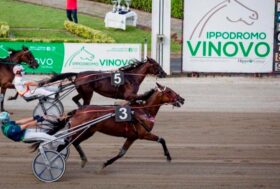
29, 62
173, 99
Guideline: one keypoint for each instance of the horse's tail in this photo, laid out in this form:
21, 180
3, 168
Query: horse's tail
60, 123
71, 113
35, 146
62, 76
58, 77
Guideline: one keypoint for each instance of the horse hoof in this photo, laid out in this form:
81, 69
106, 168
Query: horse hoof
83, 163
11, 98
100, 168
169, 159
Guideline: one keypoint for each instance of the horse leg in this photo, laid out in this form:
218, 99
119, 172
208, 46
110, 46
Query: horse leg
85, 92
87, 97
152, 137
82, 155
122, 152
79, 150
76, 100
3, 92
11, 86
13, 97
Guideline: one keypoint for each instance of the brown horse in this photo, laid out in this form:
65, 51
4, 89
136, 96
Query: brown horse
6, 69
139, 128
88, 82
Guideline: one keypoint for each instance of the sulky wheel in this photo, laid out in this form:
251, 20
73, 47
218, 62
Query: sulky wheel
58, 103
47, 108
50, 169
60, 106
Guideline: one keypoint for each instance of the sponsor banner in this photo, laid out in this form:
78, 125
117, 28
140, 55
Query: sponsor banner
50, 56
99, 57
228, 36
76, 57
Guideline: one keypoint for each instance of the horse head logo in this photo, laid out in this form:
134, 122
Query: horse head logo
80, 57
235, 12
245, 14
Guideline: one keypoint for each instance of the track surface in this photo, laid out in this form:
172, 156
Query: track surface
209, 150
227, 135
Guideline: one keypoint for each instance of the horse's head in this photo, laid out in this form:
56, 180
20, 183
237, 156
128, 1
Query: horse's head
154, 68
169, 96
26, 56
240, 13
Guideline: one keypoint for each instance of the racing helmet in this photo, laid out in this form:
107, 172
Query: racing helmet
4, 117
18, 69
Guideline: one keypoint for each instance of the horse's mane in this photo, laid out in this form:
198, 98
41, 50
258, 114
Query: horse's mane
5, 60
145, 97
59, 77
148, 94
13, 51
132, 66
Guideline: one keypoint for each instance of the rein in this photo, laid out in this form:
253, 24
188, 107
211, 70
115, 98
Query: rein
105, 77
90, 81
12, 63
109, 73
132, 108
93, 80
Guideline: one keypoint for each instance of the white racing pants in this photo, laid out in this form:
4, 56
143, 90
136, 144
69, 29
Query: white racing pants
35, 135
42, 91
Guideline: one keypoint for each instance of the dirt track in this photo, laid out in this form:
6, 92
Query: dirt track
209, 150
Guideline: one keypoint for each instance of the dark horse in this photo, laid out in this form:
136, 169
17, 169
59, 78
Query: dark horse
6, 69
88, 82
139, 128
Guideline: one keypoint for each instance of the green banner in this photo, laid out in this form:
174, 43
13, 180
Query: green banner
50, 56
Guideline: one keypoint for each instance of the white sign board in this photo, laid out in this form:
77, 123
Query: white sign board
99, 57
228, 36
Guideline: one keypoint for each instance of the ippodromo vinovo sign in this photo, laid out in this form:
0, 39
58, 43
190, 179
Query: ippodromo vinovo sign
76, 57
228, 36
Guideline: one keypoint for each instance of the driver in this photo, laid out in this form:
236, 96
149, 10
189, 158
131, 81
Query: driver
20, 130
23, 86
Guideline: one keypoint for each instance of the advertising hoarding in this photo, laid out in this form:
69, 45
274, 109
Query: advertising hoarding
228, 36
50, 56
103, 57
76, 57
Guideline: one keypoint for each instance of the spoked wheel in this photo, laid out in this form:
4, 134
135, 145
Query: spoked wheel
49, 170
47, 108
60, 106
58, 103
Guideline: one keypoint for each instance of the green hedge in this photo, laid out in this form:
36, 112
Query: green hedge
46, 40
146, 5
4, 29
95, 36
177, 9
